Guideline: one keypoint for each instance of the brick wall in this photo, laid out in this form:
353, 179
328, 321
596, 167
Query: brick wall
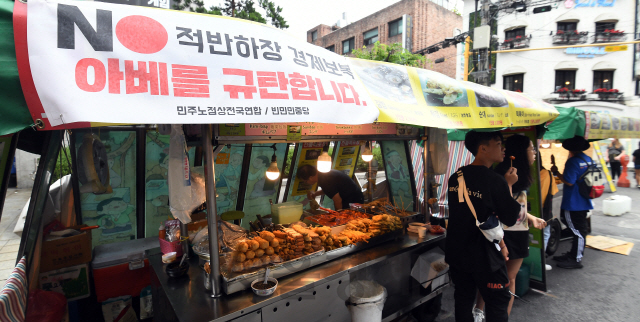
431, 24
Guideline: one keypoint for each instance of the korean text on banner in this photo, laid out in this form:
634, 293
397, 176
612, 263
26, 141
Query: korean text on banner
102, 62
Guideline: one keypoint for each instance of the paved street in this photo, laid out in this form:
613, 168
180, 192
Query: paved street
606, 289
10, 242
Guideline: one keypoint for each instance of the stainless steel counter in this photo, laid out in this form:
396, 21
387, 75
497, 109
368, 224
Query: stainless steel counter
185, 299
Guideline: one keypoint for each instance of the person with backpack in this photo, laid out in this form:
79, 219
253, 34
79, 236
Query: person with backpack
479, 199
575, 204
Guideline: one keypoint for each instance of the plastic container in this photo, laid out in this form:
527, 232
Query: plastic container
616, 205
366, 301
121, 268
522, 280
286, 212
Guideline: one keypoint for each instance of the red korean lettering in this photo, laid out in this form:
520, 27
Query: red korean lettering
82, 77
321, 93
147, 80
347, 100
272, 79
234, 90
189, 81
115, 75
298, 82
336, 91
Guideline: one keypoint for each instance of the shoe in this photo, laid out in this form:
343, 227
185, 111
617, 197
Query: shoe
569, 264
547, 267
478, 315
561, 258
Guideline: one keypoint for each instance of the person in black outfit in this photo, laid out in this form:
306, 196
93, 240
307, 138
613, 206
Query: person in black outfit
636, 165
615, 150
334, 184
476, 263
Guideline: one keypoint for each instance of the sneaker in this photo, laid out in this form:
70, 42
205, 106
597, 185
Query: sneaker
478, 315
569, 264
561, 258
547, 267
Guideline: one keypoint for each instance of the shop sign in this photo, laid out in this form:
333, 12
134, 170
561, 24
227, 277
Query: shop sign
586, 52
588, 3
615, 48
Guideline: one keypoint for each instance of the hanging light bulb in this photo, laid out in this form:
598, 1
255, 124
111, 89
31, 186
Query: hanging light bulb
366, 153
324, 162
558, 144
273, 172
545, 145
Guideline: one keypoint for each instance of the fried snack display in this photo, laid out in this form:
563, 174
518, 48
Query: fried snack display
337, 218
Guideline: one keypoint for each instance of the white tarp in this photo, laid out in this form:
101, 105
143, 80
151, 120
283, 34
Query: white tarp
101, 62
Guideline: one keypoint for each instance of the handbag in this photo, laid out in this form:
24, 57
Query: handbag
491, 228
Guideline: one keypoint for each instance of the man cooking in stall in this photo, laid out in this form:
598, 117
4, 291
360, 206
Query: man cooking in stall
334, 184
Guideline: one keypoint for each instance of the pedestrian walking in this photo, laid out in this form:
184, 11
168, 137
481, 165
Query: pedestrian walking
615, 150
574, 206
477, 262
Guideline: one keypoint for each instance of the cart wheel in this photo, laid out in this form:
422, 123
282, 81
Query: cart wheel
554, 238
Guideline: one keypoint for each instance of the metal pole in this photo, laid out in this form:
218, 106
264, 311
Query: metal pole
572, 46
466, 58
212, 215
371, 179
425, 182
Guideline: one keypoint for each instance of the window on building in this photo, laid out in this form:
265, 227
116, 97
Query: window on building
314, 35
512, 34
395, 27
565, 78
567, 26
602, 26
602, 79
331, 48
513, 82
370, 37
348, 45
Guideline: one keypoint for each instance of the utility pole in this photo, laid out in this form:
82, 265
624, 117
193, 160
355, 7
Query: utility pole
483, 64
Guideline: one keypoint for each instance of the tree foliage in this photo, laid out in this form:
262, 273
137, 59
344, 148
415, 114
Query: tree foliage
393, 53
242, 9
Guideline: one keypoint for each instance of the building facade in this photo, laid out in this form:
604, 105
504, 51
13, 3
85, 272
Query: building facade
560, 71
416, 24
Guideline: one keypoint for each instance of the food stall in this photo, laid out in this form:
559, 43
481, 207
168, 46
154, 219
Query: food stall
257, 99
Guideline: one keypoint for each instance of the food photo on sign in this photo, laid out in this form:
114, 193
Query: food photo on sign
441, 90
386, 80
486, 96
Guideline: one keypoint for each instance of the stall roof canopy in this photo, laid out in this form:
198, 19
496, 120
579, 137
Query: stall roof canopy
591, 125
128, 76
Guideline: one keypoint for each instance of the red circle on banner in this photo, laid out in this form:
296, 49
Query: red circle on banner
141, 34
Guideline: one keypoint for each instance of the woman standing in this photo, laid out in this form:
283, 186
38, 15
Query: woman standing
615, 150
516, 237
636, 165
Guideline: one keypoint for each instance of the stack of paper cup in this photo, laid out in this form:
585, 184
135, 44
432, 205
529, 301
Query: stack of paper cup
422, 232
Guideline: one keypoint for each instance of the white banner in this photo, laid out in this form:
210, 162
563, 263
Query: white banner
101, 62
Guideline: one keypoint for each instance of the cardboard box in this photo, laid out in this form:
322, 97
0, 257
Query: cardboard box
73, 282
66, 252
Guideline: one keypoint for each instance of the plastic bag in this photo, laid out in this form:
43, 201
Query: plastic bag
46, 306
179, 177
438, 151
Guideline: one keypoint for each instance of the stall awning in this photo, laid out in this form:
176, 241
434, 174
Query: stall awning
132, 76
566, 65
592, 125
604, 65
14, 115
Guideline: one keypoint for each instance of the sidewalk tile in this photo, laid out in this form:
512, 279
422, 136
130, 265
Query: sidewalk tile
8, 256
9, 249
7, 264
12, 242
4, 273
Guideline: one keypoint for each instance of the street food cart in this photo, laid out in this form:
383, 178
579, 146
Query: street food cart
100, 77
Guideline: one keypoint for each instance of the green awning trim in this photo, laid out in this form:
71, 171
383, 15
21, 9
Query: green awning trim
569, 123
14, 114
